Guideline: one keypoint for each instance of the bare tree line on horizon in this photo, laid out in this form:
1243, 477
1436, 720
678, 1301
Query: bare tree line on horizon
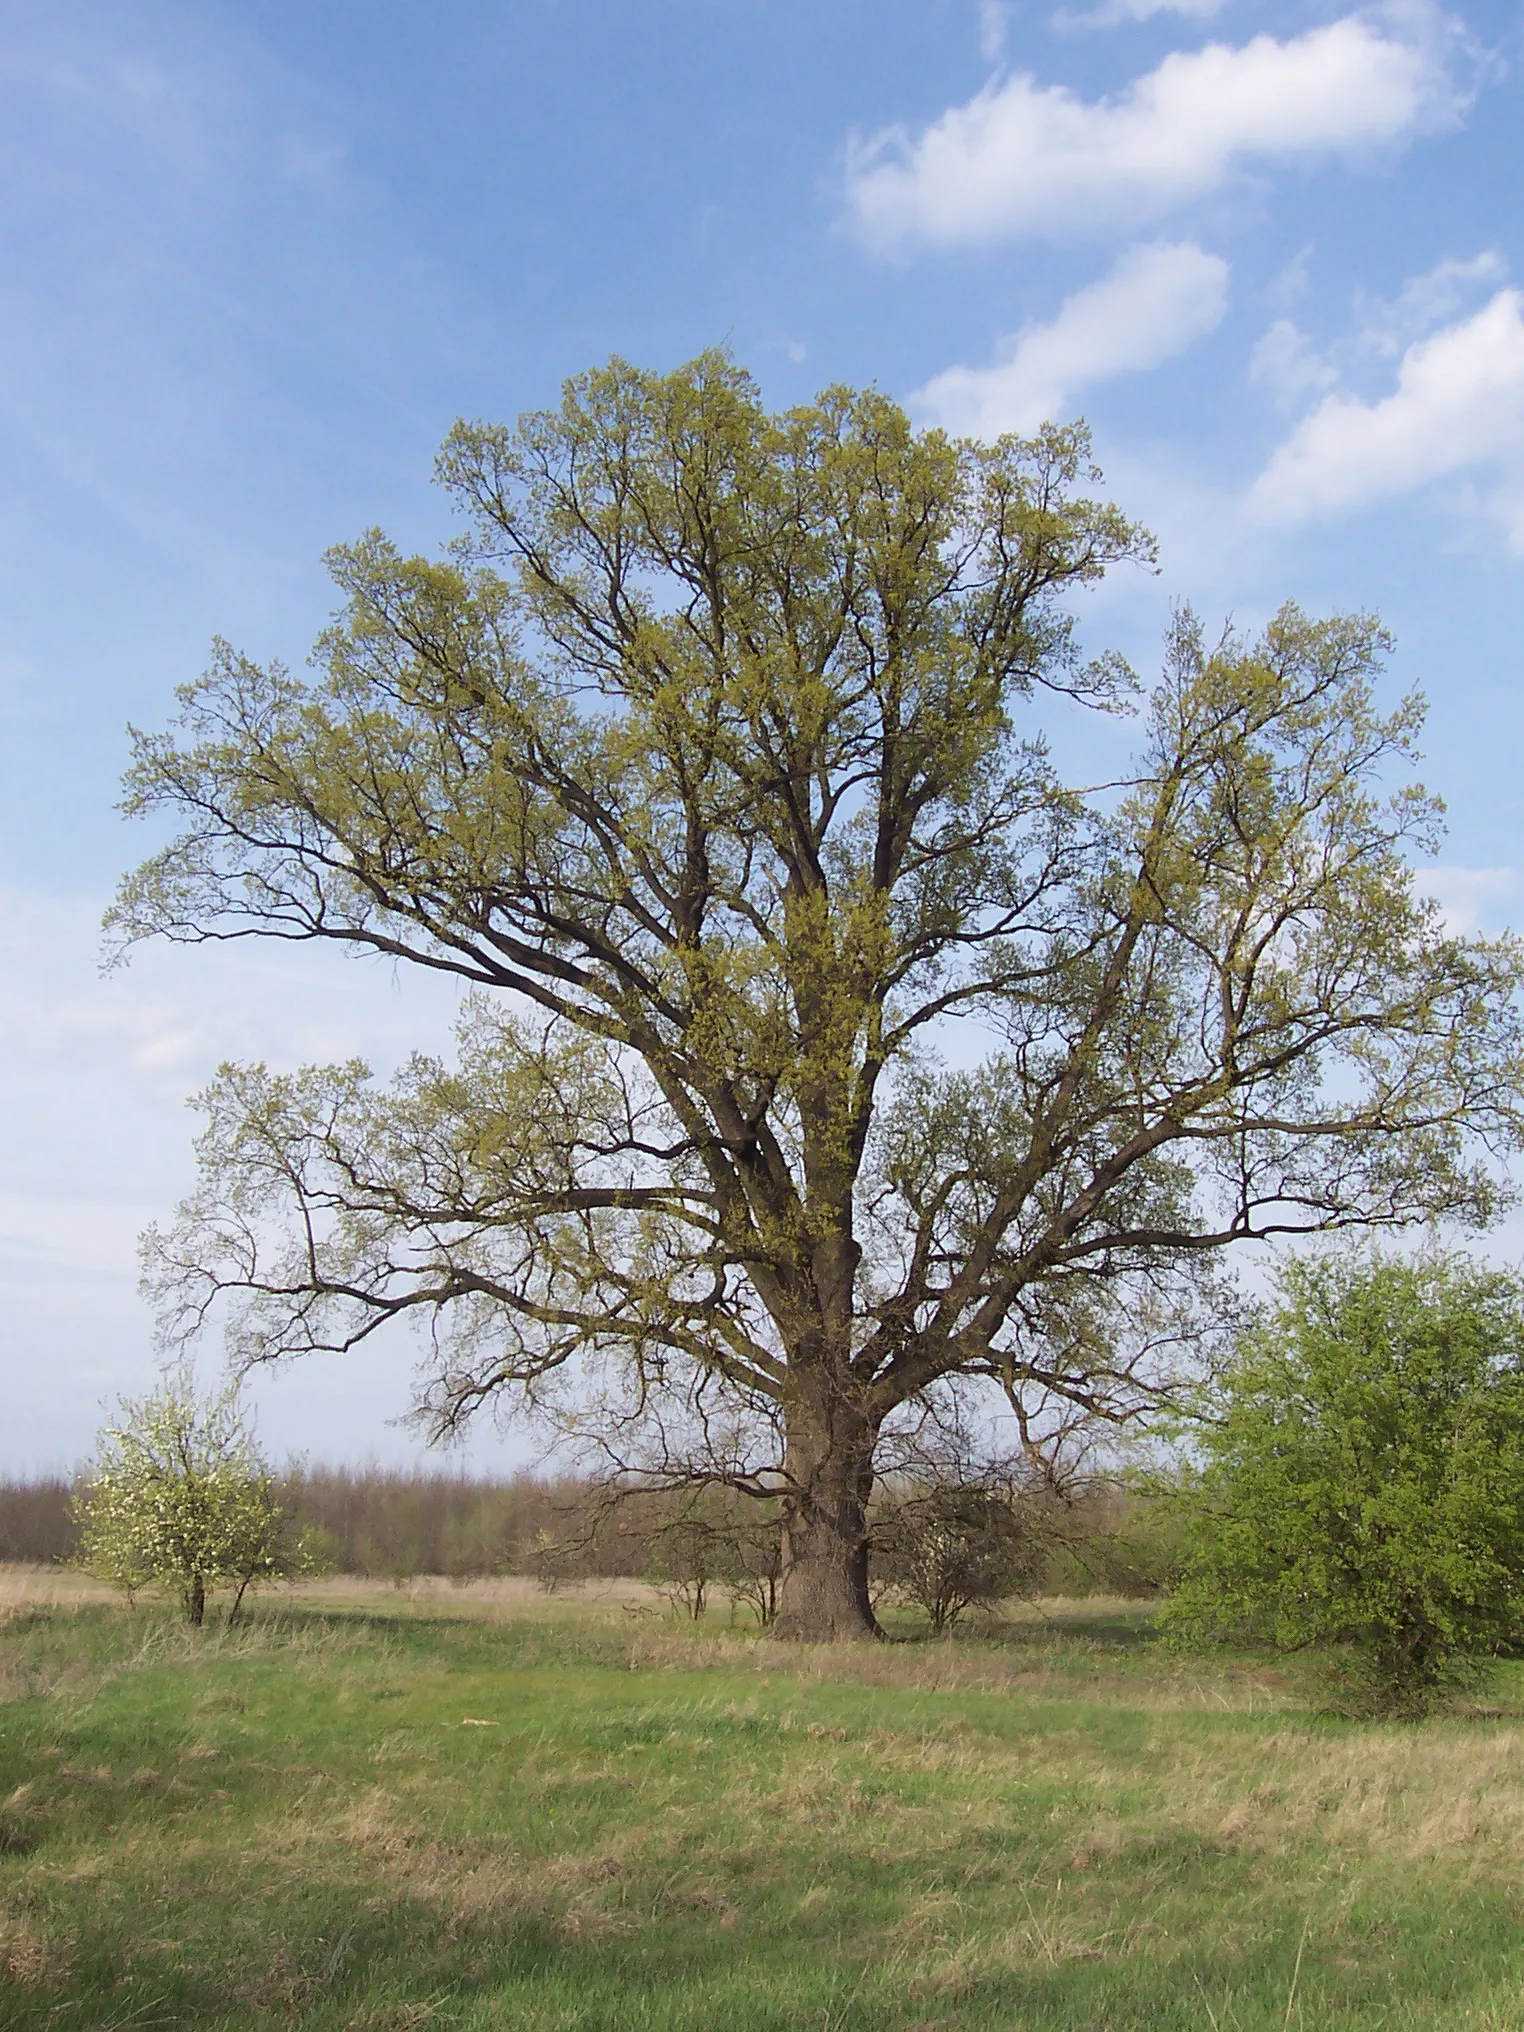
394, 1524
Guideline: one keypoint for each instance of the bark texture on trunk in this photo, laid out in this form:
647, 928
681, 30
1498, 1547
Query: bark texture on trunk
824, 1596
197, 1603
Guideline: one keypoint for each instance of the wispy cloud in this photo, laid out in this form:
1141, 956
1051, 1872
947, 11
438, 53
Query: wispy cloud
994, 26
1457, 409
1113, 13
1157, 300
1026, 158
1470, 898
1387, 326
1286, 363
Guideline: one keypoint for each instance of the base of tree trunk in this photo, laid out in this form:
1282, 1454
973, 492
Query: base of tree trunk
825, 1601
805, 1626
824, 1597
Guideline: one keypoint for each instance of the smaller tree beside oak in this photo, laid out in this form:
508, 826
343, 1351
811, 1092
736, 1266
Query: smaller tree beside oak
179, 1498
827, 1050
1361, 1482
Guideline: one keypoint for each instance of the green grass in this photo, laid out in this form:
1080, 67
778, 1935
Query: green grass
380, 1813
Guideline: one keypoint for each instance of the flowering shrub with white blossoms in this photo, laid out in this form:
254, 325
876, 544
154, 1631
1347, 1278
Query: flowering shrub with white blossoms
178, 1497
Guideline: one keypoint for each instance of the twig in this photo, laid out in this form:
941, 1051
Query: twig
1206, 2000
1296, 1973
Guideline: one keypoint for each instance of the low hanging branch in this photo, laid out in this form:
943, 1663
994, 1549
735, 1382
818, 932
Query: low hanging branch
708, 761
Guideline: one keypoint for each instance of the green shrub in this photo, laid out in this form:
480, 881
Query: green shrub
1360, 1484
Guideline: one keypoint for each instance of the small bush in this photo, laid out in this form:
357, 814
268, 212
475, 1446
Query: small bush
949, 1548
553, 1561
1360, 1489
1112, 1538
179, 1498
689, 1552
752, 1556
713, 1539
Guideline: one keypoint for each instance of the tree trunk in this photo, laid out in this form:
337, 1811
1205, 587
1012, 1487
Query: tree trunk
196, 1604
824, 1595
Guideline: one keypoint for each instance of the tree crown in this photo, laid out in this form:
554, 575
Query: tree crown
710, 745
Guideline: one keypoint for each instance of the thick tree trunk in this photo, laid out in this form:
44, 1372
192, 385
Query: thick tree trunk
196, 1603
824, 1596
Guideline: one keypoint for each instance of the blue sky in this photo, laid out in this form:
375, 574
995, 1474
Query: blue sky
255, 259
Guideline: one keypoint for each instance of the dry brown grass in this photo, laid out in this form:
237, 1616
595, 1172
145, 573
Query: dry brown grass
1454, 1793
30, 1957
1391, 1797
48, 1587
1040, 1658
472, 1882
509, 1598
1455, 1790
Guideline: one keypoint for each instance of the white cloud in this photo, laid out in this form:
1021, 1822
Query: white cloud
1465, 895
1154, 303
1458, 408
1425, 302
1112, 13
1028, 158
994, 25
1284, 362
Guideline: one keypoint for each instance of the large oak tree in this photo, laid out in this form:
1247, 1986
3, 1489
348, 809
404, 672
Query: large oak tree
827, 1049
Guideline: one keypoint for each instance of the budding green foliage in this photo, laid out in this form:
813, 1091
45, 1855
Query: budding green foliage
179, 1498
1362, 1482
825, 1047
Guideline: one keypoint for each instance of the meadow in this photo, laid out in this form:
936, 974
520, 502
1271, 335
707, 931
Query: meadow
374, 1808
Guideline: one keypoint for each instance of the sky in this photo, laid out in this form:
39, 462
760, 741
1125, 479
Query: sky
255, 259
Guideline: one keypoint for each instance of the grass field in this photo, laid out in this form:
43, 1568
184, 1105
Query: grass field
377, 1809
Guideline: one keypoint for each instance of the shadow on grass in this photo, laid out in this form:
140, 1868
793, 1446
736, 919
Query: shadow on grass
1116, 1626
403, 1964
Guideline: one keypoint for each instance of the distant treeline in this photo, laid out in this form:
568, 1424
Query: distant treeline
389, 1524
36, 1523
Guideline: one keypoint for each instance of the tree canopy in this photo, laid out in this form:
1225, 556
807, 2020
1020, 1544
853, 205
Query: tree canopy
825, 1049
